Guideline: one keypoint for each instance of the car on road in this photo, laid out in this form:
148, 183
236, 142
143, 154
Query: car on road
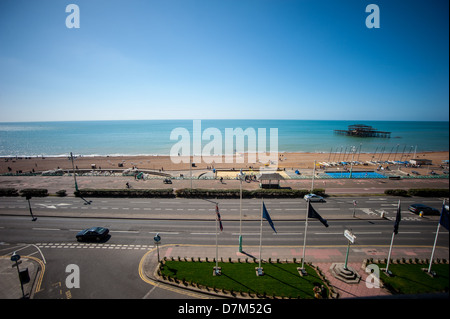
314, 198
427, 210
93, 233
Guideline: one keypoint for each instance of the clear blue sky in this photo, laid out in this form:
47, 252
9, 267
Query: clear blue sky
213, 59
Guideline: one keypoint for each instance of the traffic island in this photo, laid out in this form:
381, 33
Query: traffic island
278, 280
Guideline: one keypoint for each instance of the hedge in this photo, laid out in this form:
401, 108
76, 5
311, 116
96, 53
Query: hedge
235, 193
429, 192
142, 193
396, 192
9, 192
34, 192
421, 192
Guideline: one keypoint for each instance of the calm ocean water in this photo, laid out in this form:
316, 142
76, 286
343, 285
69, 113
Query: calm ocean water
152, 137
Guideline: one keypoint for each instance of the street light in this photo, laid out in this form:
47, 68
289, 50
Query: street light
73, 170
351, 164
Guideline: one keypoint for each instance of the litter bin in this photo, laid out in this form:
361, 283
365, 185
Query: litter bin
24, 276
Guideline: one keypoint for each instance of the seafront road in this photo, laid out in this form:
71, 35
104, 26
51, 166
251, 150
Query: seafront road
112, 269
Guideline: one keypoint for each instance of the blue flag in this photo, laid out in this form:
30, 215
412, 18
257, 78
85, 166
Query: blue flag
444, 217
266, 216
398, 218
313, 214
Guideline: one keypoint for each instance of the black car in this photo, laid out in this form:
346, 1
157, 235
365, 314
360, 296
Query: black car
93, 233
427, 210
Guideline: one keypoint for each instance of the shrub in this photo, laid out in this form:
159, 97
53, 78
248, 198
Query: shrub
8, 192
235, 193
34, 192
61, 193
138, 193
429, 192
396, 192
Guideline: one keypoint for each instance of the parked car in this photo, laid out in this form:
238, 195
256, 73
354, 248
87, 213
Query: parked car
93, 233
314, 198
427, 210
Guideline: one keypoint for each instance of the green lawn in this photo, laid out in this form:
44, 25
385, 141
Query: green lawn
410, 279
279, 279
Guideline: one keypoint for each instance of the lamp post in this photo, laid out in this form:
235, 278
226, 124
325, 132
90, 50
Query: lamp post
73, 170
351, 164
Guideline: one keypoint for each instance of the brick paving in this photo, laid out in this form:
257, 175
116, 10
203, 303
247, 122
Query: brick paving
332, 186
352, 290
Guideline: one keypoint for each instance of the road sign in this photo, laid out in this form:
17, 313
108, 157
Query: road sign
15, 257
157, 238
348, 234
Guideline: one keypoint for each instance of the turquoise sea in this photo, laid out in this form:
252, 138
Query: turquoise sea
152, 137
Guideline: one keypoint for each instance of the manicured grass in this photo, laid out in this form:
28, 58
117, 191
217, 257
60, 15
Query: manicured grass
280, 279
410, 279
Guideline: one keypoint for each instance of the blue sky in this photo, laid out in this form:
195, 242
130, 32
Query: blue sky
214, 59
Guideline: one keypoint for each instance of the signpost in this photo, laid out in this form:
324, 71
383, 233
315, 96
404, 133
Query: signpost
157, 240
16, 259
351, 240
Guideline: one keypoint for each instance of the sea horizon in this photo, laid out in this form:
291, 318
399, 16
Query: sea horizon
152, 137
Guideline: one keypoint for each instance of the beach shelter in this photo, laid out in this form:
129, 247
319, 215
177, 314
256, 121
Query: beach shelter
269, 180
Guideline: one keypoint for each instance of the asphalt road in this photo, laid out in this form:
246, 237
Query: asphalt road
290, 209
110, 269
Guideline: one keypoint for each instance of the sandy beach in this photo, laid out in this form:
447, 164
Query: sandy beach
287, 161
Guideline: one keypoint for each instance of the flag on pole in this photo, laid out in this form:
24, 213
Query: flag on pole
313, 214
443, 220
266, 216
444, 217
218, 218
398, 218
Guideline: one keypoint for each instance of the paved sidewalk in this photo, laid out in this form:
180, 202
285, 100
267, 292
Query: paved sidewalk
332, 186
9, 278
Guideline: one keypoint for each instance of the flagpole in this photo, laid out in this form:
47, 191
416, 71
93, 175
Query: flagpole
304, 238
240, 212
260, 234
392, 241
389, 256
434, 247
217, 246
435, 241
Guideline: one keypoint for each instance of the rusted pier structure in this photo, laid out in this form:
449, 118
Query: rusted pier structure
360, 130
